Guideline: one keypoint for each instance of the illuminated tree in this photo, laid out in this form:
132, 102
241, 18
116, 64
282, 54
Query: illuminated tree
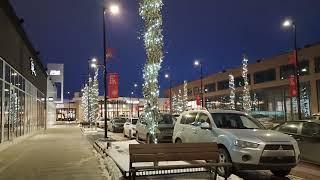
246, 88
150, 12
232, 93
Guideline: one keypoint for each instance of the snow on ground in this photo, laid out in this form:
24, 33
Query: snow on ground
119, 152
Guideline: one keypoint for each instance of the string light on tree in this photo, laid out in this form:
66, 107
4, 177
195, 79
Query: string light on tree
232, 93
185, 95
246, 87
84, 103
150, 12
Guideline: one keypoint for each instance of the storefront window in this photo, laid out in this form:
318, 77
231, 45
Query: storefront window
265, 76
210, 87
223, 85
7, 73
286, 70
304, 67
239, 82
317, 64
6, 112
1, 69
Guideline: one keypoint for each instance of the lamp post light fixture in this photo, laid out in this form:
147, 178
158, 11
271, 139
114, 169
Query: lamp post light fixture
167, 76
199, 63
289, 23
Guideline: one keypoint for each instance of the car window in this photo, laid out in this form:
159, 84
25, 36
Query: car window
134, 121
166, 119
310, 129
203, 118
235, 121
290, 127
188, 118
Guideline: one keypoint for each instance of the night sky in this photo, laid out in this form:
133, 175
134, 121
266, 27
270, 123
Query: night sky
216, 31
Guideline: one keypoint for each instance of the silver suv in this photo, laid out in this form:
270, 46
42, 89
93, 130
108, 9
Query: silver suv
242, 140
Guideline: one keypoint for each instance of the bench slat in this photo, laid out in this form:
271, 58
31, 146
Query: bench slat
172, 145
173, 150
173, 157
198, 165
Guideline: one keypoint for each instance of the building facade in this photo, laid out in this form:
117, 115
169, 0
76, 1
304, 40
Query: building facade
23, 80
269, 86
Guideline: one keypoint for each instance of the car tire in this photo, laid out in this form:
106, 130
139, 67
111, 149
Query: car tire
281, 173
130, 136
178, 141
137, 136
224, 157
149, 139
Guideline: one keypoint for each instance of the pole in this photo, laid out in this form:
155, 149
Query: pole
201, 77
297, 70
89, 96
105, 74
170, 95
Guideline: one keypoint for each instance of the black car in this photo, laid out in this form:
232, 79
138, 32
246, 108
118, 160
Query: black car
307, 134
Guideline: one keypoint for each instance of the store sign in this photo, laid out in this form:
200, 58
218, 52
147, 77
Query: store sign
32, 67
113, 85
293, 86
55, 73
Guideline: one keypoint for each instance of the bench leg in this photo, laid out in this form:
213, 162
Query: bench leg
215, 172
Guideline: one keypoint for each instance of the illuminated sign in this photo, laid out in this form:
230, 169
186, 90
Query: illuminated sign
32, 67
54, 73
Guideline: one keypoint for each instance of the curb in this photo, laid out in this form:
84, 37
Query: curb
113, 169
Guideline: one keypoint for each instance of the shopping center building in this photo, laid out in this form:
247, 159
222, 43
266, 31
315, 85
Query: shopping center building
23, 80
269, 85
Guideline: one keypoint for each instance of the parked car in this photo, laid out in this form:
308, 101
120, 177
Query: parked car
307, 133
129, 128
241, 139
101, 123
266, 121
116, 124
163, 132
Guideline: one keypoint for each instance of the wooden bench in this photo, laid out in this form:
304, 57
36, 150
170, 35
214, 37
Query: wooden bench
208, 152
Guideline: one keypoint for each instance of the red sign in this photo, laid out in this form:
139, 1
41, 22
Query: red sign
292, 58
198, 100
113, 85
293, 86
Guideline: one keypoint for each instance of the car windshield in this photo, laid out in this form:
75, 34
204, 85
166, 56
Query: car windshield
259, 116
235, 121
121, 120
134, 121
166, 119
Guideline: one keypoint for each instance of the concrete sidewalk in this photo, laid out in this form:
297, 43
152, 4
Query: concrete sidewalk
60, 153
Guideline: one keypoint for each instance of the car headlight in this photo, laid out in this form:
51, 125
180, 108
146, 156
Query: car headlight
245, 144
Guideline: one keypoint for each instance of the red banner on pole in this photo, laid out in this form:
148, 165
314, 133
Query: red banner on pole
113, 85
293, 86
198, 100
292, 58
109, 52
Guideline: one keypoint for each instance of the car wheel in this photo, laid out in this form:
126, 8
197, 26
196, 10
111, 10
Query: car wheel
281, 173
137, 136
224, 157
130, 135
178, 140
149, 139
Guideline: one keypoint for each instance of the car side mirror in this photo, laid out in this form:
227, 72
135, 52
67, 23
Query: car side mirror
205, 125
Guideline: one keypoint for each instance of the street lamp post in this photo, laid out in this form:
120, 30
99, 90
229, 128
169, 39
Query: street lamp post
167, 76
68, 106
113, 9
199, 63
288, 23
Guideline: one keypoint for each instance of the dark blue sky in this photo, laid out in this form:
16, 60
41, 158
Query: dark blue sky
215, 31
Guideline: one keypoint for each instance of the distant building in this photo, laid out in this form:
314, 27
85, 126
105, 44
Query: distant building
269, 85
56, 74
23, 80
